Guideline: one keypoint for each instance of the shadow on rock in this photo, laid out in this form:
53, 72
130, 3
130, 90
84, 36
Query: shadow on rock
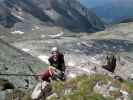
5, 84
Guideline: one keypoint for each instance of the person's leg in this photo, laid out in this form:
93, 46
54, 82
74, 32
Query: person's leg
39, 90
36, 92
56, 76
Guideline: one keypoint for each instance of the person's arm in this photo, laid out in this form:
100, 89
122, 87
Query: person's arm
50, 61
50, 67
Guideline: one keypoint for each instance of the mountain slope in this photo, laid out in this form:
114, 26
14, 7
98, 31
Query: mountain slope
110, 11
6, 18
69, 14
15, 61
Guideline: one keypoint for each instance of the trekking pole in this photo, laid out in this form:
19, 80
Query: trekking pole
18, 74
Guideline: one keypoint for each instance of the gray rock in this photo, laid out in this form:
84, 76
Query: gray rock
125, 95
104, 89
2, 95
18, 62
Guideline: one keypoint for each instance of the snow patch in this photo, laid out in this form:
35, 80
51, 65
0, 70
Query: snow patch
87, 44
88, 71
26, 49
17, 32
56, 35
44, 58
35, 27
43, 36
95, 59
32, 29
71, 75
76, 50
18, 16
70, 63
49, 13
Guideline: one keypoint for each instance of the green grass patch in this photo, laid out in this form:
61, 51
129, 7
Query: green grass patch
128, 86
80, 88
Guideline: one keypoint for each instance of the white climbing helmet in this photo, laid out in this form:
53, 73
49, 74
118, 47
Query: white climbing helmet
54, 49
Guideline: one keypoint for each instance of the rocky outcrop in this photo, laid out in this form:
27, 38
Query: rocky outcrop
14, 61
84, 19
6, 18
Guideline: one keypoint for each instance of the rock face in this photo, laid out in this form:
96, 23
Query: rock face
6, 18
69, 14
14, 61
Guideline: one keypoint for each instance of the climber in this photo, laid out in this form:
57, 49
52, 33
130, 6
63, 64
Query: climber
46, 74
43, 86
56, 70
111, 63
56, 60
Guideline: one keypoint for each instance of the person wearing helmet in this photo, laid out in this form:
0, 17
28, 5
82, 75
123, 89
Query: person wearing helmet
56, 60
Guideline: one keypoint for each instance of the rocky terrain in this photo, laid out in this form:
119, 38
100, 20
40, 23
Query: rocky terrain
68, 14
84, 52
25, 47
15, 61
83, 49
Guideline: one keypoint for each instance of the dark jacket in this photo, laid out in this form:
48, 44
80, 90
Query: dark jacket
59, 64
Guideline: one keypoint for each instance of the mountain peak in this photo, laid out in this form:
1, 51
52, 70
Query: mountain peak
69, 14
